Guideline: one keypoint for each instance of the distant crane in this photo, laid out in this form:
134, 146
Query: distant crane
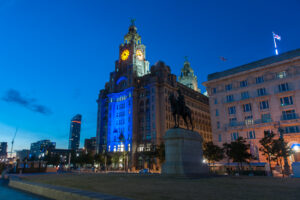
12, 143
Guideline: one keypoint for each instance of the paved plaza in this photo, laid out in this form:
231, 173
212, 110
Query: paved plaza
146, 187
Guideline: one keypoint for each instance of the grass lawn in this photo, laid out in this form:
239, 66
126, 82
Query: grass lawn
157, 187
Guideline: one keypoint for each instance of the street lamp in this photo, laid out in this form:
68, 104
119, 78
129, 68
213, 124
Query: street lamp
286, 168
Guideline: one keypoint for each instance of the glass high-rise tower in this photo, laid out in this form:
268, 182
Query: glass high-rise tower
74, 137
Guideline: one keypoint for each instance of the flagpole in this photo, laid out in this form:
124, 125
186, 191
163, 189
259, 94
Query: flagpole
276, 51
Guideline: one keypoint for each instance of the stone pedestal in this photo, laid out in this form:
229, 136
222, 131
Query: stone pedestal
183, 152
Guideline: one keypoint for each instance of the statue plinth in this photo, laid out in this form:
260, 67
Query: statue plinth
183, 152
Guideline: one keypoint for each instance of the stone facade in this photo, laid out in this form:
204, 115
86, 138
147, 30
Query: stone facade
134, 111
263, 95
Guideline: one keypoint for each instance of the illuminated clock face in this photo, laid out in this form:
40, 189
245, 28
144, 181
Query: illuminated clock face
139, 54
125, 54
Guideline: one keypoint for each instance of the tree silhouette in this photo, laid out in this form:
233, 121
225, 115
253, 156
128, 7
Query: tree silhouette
213, 153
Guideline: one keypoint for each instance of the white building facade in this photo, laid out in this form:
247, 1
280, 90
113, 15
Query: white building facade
249, 99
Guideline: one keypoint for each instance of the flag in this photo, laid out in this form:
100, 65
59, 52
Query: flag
276, 36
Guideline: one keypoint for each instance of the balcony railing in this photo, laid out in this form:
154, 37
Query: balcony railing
249, 122
290, 116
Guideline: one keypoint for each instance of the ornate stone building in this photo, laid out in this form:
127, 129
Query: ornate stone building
134, 110
250, 99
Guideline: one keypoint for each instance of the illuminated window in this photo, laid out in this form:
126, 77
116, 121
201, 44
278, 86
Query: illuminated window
115, 148
249, 120
281, 74
128, 147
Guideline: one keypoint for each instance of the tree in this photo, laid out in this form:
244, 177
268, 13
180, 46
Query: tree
115, 160
52, 159
239, 152
226, 150
99, 158
213, 153
267, 146
279, 150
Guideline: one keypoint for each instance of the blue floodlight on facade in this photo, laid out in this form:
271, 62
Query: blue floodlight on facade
119, 129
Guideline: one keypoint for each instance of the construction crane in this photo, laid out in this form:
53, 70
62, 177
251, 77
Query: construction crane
12, 143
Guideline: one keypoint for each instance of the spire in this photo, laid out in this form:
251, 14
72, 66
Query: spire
132, 35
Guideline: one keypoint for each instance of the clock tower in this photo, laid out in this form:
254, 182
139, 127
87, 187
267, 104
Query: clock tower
132, 54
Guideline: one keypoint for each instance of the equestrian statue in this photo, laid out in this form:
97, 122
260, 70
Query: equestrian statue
179, 108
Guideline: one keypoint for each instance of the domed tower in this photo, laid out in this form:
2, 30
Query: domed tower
133, 54
187, 76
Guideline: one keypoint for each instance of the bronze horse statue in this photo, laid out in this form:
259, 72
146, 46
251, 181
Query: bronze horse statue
179, 108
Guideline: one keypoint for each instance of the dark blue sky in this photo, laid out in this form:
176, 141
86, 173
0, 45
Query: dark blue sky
55, 56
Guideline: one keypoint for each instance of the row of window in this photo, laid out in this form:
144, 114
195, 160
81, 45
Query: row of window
265, 118
244, 83
260, 92
263, 105
251, 134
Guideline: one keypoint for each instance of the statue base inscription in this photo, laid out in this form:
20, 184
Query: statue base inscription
183, 152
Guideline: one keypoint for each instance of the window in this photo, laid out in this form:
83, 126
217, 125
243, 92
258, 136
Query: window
251, 134
292, 129
264, 105
228, 87
283, 87
231, 110
259, 79
217, 112
229, 98
220, 138
214, 90
232, 121
249, 120
261, 91
289, 114
285, 101
281, 74
265, 118
234, 136
244, 83
218, 124
216, 101
245, 95
247, 107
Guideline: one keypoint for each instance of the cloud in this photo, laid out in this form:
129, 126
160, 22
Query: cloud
14, 96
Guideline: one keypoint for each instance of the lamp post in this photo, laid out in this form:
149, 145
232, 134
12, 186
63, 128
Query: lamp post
286, 167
